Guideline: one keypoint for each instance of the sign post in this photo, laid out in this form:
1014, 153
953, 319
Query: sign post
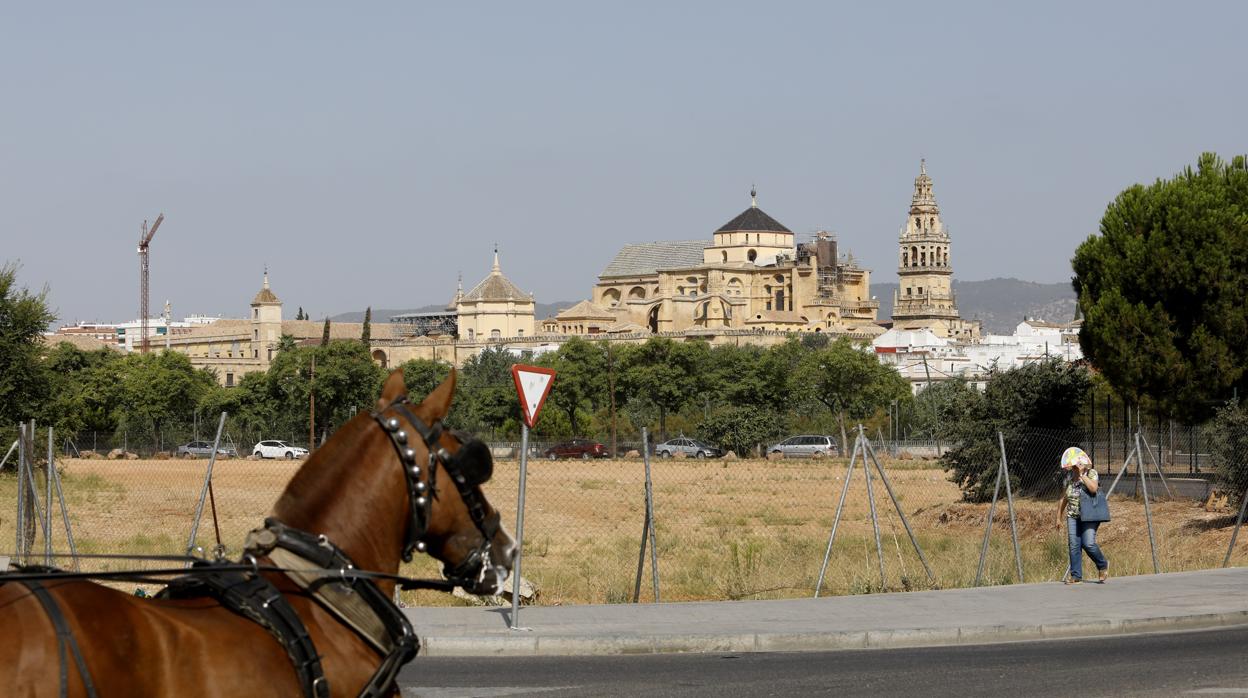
532, 385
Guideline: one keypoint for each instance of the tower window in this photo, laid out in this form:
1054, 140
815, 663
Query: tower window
751, 255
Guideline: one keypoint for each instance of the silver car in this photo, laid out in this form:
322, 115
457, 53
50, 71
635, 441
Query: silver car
807, 445
690, 447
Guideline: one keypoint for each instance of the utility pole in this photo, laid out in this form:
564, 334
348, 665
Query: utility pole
936, 429
312, 407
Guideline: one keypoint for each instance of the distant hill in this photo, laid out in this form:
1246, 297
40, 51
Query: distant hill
1000, 304
541, 311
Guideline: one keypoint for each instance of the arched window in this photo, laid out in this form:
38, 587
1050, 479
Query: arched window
724, 254
471, 334
751, 255
380, 357
922, 259
611, 297
905, 259
637, 293
914, 255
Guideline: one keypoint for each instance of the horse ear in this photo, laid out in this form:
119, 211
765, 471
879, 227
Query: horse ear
393, 389
439, 401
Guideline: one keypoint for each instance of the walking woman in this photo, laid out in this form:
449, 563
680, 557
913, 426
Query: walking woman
1083, 511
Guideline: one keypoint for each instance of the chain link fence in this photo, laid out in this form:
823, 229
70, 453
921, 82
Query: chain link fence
724, 528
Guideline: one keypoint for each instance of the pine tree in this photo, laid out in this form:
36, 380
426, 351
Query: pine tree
301, 316
366, 335
325, 334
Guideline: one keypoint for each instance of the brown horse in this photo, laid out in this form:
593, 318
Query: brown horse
364, 491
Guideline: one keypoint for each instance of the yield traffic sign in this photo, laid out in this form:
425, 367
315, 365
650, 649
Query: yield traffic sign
533, 385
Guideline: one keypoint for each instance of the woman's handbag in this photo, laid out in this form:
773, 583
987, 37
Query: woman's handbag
1093, 507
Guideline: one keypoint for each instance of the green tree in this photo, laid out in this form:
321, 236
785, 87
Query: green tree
421, 376
83, 389
346, 381
941, 405
668, 374
325, 334
740, 428
1034, 407
580, 379
300, 315
24, 316
486, 399
157, 391
849, 382
1228, 438
366, 335
1161, 289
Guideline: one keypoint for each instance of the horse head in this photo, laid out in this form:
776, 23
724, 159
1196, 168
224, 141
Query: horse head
449, 516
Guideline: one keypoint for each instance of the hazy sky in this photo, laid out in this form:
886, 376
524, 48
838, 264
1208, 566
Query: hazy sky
368, 152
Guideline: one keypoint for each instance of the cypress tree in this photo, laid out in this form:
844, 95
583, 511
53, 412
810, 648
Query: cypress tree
367, 334
325, 334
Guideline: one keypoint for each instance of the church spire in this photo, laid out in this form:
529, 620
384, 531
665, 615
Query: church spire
923, 200
496, 268
753, 196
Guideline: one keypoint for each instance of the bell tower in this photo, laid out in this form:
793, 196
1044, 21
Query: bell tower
924, 298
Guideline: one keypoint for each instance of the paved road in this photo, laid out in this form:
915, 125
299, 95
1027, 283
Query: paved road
1195, 663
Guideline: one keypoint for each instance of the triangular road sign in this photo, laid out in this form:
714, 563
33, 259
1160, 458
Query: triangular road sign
533, 385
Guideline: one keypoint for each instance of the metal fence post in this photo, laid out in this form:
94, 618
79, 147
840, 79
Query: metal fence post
203, 493
654, 545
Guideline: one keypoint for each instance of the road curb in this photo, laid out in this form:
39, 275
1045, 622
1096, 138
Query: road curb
521, 643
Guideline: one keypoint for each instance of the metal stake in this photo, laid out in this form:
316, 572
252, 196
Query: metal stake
6, 455
1243, 505
69, 531
203, 494
836, 520
1148, 512
1009, 500
515, 582
1157, 466
992, 510
888, 486
47, 508
654, 545
19, 549
1125, 464
875, 519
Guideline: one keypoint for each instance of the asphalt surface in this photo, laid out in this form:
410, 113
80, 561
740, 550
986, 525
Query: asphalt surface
1019, 612
1192, 663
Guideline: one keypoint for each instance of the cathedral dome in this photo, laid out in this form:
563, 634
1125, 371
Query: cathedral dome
753, 220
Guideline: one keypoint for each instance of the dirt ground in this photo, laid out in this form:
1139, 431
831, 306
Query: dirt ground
740, 529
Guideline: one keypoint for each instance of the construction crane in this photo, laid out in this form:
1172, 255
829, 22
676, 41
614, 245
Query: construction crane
145, 239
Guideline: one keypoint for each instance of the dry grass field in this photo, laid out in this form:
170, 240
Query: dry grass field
725, 530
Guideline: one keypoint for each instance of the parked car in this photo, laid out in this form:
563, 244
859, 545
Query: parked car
805, 445
278, 449
204, 449
690, 447
576, 448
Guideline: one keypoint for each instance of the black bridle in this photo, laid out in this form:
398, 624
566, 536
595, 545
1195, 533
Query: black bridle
422, 488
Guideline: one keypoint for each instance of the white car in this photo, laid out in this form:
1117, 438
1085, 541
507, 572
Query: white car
278, 449
805, 445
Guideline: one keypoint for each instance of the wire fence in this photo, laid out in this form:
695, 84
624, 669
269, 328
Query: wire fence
725, 528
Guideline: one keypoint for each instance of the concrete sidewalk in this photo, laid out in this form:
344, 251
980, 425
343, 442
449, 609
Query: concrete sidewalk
957, 616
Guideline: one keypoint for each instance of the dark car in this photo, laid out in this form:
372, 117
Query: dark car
690, 447
576, 448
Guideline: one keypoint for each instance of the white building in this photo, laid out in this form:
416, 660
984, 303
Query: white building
921, 356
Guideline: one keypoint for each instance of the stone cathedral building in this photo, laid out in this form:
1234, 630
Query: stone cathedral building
751, 276
924, 298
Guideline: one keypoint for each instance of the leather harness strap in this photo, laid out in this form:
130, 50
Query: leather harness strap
63, 638
254, 597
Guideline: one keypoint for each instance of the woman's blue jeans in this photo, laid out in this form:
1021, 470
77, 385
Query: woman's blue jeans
1081, 535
